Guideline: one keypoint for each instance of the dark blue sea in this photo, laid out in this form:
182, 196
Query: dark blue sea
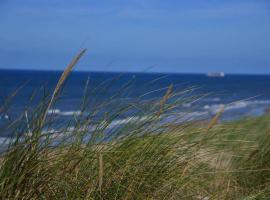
243, 95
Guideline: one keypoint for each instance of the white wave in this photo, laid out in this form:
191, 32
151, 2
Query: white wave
59, 134
236, 105
190, 116
260, 102
4, 140
181, 117
69, 113
214, 108
197, 114
50, 131
64, 113
186, 105
128, 120
54, 111
4, 116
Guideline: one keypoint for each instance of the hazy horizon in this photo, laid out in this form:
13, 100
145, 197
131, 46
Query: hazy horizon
139, 72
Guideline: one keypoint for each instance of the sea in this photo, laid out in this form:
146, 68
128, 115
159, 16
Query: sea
241, 95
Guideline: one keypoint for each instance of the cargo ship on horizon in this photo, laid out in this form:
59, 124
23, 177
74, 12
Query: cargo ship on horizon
216, 74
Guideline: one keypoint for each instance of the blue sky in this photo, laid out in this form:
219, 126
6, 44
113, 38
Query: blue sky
137, 35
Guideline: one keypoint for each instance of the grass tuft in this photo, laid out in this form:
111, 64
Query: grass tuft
154, 154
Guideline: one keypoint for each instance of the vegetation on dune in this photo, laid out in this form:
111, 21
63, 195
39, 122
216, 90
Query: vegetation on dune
152, 156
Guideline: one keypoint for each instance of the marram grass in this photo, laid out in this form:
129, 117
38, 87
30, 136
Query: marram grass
147, 158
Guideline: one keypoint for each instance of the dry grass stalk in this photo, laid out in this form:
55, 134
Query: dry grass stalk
165, 98
61, 81
215, 119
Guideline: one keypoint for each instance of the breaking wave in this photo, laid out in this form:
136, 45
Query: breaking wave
64, 113
214, 108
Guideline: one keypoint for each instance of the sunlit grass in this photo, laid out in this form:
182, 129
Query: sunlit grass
154, 154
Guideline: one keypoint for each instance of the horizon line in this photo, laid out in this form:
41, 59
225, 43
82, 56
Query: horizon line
137, 72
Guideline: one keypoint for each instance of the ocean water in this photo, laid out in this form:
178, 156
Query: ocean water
243, 95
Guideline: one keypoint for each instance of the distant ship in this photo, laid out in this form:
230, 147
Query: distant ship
216, 74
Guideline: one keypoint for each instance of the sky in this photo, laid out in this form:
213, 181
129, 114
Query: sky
188, 36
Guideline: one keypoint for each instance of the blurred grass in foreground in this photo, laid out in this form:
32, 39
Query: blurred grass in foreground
149, 157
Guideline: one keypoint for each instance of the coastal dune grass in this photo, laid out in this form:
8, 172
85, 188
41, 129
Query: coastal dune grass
155, 154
